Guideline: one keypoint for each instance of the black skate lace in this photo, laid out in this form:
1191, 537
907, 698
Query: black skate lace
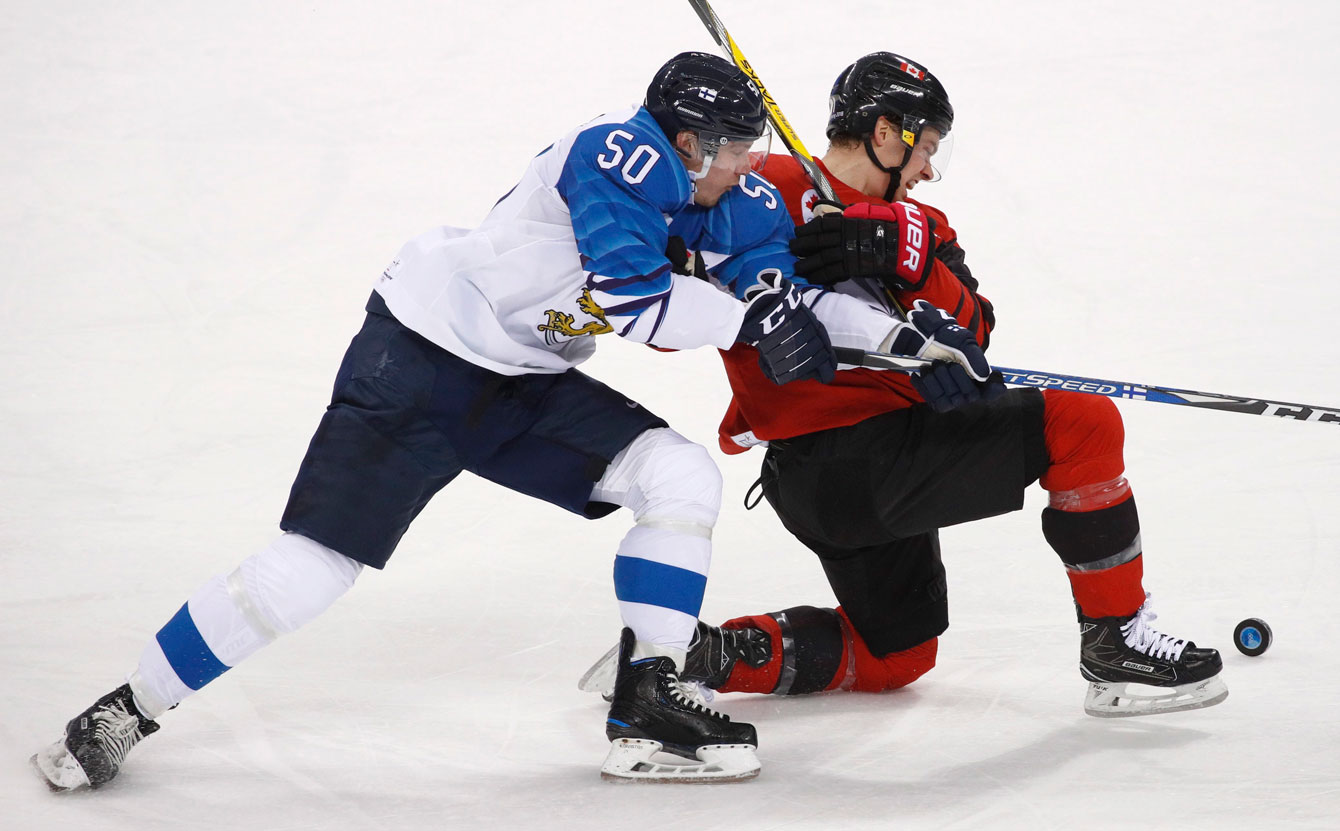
117, 730
1147, 640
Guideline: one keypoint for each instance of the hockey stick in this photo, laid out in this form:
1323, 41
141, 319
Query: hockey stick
775, 115
1014, 377
1110, 389
778, 120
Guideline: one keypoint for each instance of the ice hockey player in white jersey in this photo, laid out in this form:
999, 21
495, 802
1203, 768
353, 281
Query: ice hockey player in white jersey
465, 362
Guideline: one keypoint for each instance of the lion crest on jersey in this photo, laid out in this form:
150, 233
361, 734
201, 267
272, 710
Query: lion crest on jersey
562, 323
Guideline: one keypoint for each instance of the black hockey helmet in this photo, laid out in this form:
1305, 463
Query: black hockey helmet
890, 85
708, 95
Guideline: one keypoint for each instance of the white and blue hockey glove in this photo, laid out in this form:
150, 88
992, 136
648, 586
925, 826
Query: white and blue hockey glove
792, 344
960, 374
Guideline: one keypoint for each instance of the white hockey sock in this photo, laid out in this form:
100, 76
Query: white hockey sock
659, 578
674, 490
272, 593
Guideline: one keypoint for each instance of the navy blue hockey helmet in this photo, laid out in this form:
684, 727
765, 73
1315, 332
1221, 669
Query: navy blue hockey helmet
889, 85
708, 95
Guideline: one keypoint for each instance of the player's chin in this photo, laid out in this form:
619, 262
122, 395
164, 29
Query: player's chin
708, 197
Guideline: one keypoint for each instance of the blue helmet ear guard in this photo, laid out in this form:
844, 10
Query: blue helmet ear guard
709, 96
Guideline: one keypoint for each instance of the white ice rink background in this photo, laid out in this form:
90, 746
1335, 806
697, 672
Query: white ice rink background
196, 197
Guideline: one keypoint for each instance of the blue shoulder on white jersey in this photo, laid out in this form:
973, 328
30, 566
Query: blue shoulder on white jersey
620, 180
632, 157
748, 231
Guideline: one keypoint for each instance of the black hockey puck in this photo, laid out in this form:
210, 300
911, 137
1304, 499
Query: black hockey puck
1252, 637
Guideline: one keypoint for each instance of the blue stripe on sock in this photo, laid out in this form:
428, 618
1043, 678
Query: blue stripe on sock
186, 650
643, 581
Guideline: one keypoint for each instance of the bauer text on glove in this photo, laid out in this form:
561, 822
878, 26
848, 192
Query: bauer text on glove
893, 243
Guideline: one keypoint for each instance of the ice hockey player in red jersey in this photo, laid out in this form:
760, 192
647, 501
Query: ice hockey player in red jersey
866, 469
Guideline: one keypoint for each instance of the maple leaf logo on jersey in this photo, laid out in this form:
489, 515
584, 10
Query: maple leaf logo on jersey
808, 200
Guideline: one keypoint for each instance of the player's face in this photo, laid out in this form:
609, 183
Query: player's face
920, 167
731, 162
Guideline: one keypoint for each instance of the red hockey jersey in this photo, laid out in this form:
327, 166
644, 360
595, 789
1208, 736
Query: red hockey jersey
761, 410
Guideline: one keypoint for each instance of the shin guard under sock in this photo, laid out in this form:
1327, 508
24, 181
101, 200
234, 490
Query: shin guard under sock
1101, 551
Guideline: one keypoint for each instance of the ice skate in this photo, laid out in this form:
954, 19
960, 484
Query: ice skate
1135, 670
654, 712
712, 656
95, 743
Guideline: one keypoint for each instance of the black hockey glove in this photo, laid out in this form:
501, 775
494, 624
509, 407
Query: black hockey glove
892, 243
684, 261
792, 344
960, 374
946, 386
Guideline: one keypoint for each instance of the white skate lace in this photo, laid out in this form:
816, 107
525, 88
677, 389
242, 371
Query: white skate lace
689, 693
117, 730
1147, 640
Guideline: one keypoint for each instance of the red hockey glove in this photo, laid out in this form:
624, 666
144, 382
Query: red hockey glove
893, 243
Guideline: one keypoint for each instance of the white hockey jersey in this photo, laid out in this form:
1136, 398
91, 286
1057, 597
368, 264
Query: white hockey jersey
576, 249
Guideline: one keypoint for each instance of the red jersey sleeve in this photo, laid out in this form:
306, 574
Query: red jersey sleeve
761, 410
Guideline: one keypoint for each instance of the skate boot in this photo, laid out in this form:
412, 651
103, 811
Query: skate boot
712, 655
95, 744
653, 711
1174, 674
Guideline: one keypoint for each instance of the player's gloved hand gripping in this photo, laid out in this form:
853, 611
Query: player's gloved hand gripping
893, 243
960, 374
792, 344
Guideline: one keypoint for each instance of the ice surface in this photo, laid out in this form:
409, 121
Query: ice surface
195, 199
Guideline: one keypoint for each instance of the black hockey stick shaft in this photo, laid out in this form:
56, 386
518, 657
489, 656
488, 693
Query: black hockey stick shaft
1110, 389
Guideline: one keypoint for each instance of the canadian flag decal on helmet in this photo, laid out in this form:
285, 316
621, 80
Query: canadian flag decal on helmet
919, 74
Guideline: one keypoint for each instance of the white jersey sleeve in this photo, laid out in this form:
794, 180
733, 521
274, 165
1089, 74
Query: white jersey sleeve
574, 250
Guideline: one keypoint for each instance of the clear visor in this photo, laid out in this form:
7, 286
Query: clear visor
734, 150
932, 153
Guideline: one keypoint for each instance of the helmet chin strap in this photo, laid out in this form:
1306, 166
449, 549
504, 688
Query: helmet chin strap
895, 173
694, 177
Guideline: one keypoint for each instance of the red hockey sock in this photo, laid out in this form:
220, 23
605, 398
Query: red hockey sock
864, 672
1091, 520
1112, 592
1084, 437
854, 667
